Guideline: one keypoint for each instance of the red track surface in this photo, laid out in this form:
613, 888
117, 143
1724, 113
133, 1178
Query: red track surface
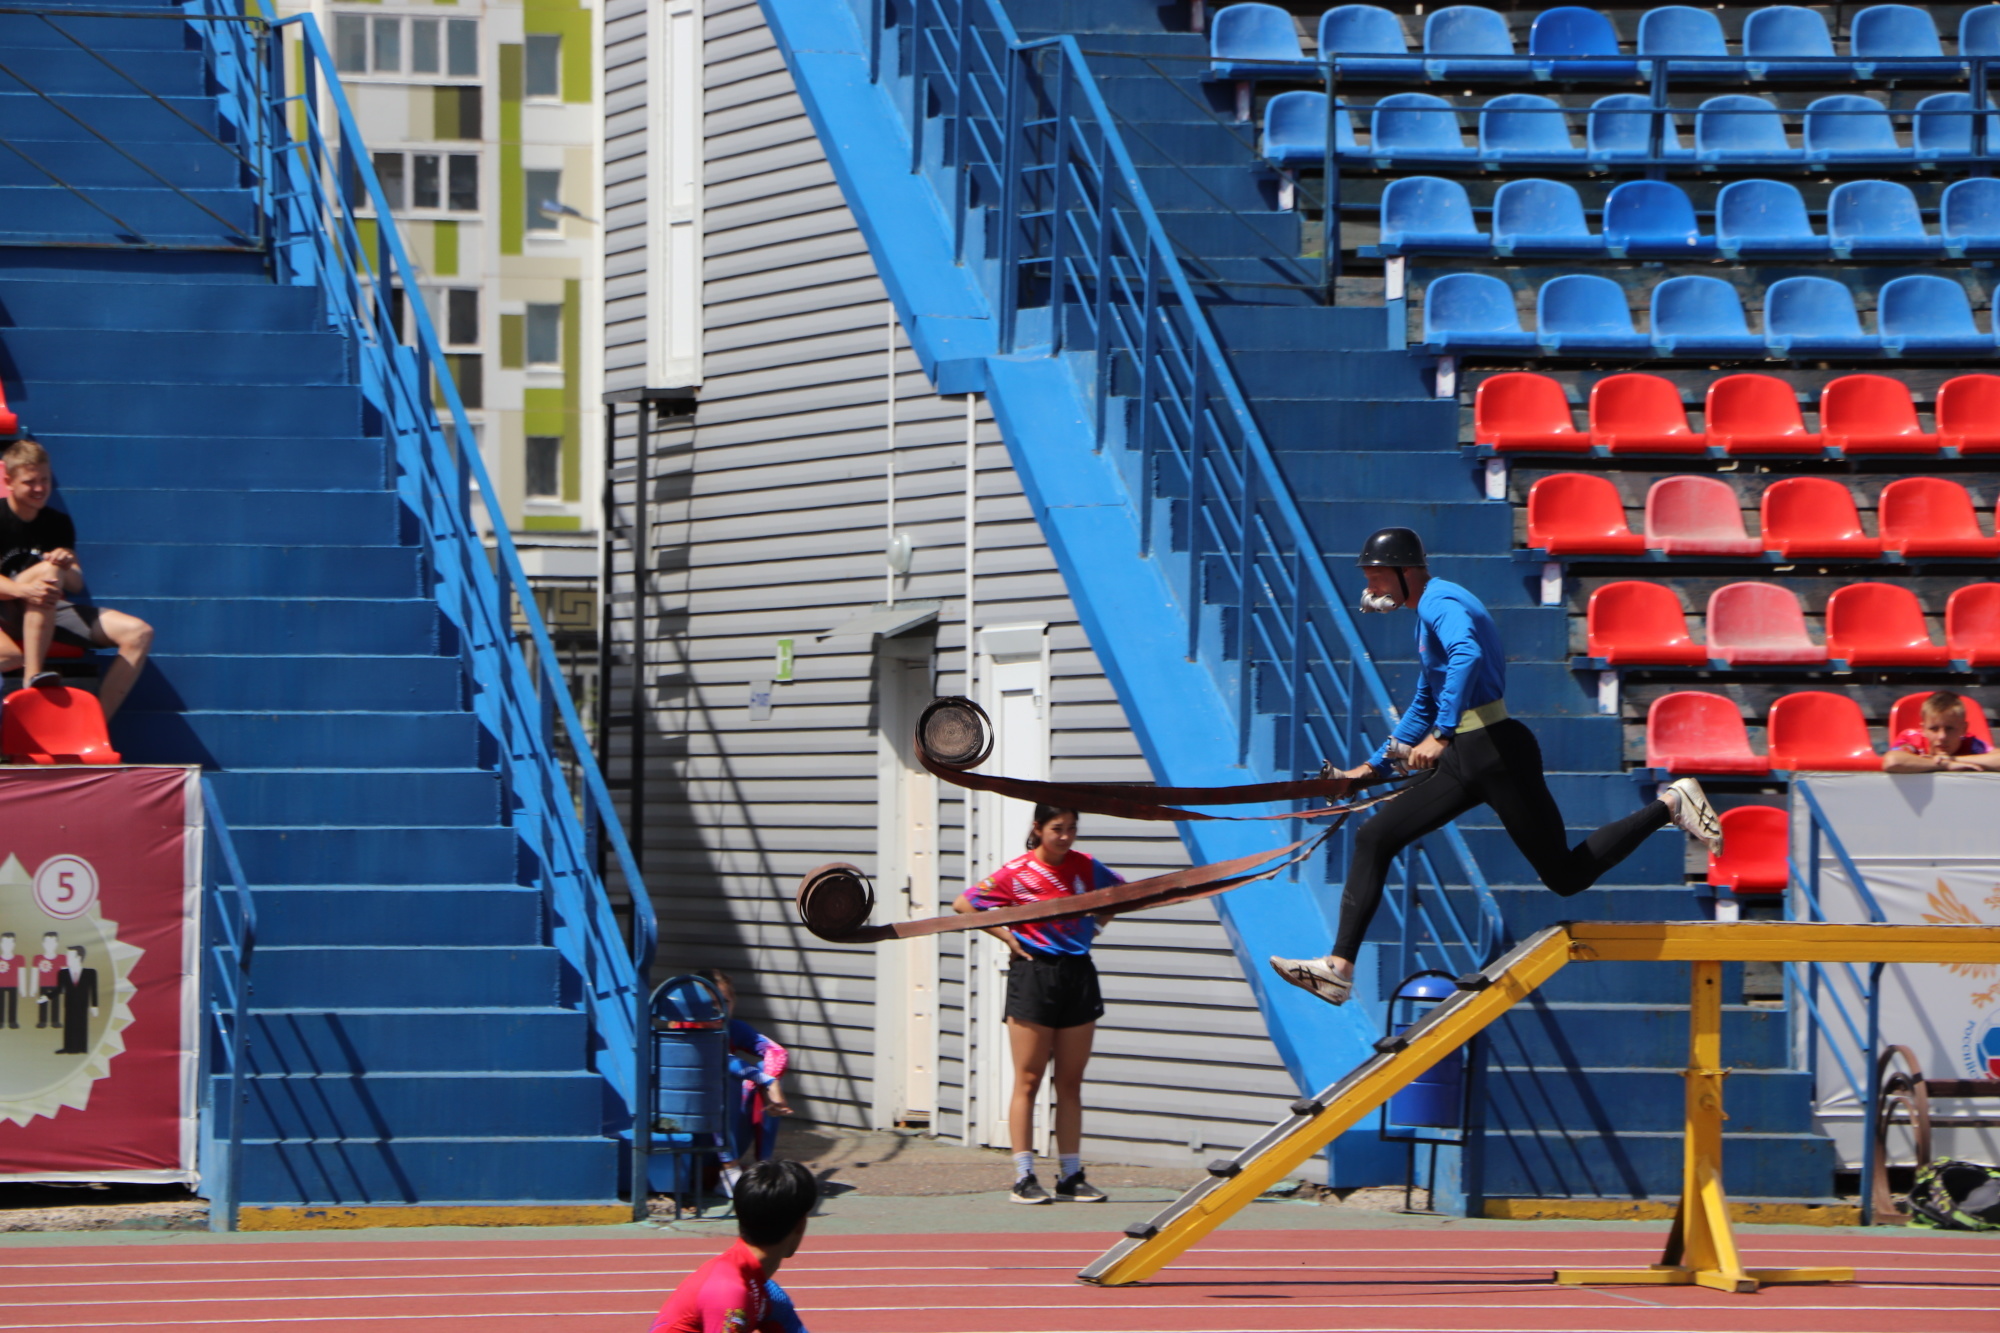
1483, 1281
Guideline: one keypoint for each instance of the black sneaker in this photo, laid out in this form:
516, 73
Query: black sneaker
1028, 1190
1079, 1190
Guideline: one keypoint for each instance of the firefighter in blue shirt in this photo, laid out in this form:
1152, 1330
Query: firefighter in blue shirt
1458, 725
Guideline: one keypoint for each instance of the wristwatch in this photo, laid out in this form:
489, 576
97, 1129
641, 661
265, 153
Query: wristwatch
1442, 734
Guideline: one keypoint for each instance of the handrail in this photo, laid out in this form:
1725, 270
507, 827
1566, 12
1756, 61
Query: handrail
232, 942
1075, 218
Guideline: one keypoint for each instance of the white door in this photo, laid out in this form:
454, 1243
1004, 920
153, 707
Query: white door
906, 888
1015, 679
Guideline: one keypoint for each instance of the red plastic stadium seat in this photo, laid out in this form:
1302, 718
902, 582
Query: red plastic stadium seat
1697, 516
1755, 846
1807, 517
1926, 516
1575, 513
1757, 623
1880, 624
1908, 714
1756, 414
1519, 412
10, 424
1968, 414
1690, 731
1814, 731
1637, 623
1641, 414
1972, 624
54, 725
1871, 414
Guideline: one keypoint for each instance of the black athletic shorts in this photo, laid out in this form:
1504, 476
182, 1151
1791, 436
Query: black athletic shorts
1054, 991
76, 622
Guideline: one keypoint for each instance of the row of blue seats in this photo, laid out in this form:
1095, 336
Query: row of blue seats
1734, 129
1258, 41
1656, 220
1584, 315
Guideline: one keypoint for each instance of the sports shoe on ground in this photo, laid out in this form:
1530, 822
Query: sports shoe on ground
1315, 975
42, 678
1077, 1188
1028, 1190
730, 1175
1694, 815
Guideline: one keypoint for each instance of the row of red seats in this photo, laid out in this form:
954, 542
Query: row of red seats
1691, 731
1519, 412
1578, 513
1636, 623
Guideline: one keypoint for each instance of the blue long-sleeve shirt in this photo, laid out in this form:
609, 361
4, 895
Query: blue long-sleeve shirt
1461, 664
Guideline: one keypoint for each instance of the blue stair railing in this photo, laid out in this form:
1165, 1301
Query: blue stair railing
331, 227
229, 930
1842, 1010
1086, 270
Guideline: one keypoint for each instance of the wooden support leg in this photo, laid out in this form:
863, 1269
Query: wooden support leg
1701, 1249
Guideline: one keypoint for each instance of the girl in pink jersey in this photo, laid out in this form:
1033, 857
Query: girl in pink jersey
1053, 1002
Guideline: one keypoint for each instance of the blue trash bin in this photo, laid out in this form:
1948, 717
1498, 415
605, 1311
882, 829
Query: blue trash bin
1436, 1099
690, 1080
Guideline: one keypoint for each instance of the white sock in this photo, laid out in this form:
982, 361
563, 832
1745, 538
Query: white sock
1024, 1165
1072, 1162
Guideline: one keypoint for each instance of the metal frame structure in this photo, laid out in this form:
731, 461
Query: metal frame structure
229, 929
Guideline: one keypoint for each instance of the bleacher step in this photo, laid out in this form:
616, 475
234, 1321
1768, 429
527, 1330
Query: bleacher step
430, 1170
431, 1105
363, 914
185, 682
403, 976
299, 740
340, 797
355, 1038
275, 517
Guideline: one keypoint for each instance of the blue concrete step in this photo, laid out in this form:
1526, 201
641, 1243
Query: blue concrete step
289, 518
1090, 16
434, 1171
1248, 327
428, 856
1377, 375
60, 355
156, 301
179, 682
357, 1040
275, 625
397, 1107
1214, 234
1183, 186
299, 740
1544, 1035
143, 408
110, 37
190, 164
33, 215
1639, 1164
127, 268
359, 915
298, 977
136, 461
73, 70
160, 569
356, 797
120, 117
1340, 423
1613, 1099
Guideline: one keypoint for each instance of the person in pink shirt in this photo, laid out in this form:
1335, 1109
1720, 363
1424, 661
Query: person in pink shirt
1940, 743
734, 1292
44, 973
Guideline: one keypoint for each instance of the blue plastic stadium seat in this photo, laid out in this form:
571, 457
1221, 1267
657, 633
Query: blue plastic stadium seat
1806, 317
1561, 35
1537, 217
1653, 220
1415, 125
1468, 30
1969, 215
1925, 314
1899, 32
1473, 312
1681, 30
1739, 128
1295, 130
1776, 37
1851, 128
1979, 31
1367, 42
1765, 218
1429, 215
1870, 219
1249, 41
1620, 129
1580, 314
1943, 127
1521, 127
1699, 316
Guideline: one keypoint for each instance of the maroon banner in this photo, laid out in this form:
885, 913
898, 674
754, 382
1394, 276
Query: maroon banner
100, 890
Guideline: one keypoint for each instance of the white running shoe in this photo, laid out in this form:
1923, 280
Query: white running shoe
1695, 816
1316, 976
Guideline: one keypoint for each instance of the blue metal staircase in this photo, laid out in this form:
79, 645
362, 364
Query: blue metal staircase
442, 1004
1067, 222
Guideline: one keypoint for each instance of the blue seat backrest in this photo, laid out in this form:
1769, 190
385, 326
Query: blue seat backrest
1470, 303
1893, 30
1523, 122
1925, 304
1571, 30
1296, 122
1971, 207
1767, 209
1681, 30
1254, 32
1849, 124
1786, 30
1811, 306
1361, 30
1874, 209
1697, 305
1738, 123
1538, 208
1427, 205
1979, 31
1650, 211
1582, 303
1416, 123
1621, 125
1468, 30
1942, 123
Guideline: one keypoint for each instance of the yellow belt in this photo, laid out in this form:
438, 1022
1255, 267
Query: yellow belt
1472, 719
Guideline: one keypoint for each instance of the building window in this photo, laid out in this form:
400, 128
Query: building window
544, 467
389, 171
425, 53
542, 63
424, 181
373, 44
430, 180
350, 43
545, 335
543, 187
464, 182
462, 48
461, 315
388, 55
467, 371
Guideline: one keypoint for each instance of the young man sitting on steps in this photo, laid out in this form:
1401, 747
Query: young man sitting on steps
39, 573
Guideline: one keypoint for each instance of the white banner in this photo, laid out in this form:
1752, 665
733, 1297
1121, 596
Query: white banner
1928, 848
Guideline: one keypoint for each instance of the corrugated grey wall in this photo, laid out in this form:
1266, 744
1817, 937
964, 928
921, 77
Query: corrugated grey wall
768, 522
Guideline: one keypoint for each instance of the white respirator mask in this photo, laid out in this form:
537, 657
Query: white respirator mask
1378, 601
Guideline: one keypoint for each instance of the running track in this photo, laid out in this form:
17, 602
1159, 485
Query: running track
1487, 1281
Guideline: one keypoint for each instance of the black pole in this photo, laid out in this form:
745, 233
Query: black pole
607, 507
642, 541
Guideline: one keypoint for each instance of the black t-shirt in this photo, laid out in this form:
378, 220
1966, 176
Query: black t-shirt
23, 541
